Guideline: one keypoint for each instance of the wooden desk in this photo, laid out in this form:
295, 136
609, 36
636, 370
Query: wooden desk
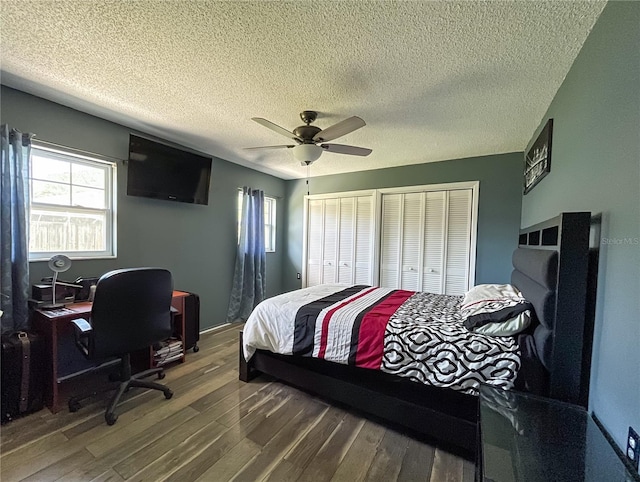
65, 359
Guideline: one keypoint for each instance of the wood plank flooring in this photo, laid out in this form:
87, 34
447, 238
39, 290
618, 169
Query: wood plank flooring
216, 428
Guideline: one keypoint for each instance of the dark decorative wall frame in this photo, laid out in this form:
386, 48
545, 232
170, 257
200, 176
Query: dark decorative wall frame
537, 162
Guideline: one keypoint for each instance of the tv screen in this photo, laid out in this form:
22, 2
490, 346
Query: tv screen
163, 172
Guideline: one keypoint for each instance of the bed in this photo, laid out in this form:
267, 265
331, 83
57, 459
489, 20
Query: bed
554, 269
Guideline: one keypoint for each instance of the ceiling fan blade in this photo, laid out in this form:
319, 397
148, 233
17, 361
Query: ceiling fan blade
268, 147
342, 149
275, 128
340, 129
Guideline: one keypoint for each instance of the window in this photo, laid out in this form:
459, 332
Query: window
72, 205
269, 222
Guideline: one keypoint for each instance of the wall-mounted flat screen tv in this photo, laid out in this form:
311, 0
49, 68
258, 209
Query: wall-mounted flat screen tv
159, 171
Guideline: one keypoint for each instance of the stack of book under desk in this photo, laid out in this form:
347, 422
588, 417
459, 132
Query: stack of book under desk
170, 350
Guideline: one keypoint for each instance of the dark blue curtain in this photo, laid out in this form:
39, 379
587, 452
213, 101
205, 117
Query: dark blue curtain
14, 230
249, 279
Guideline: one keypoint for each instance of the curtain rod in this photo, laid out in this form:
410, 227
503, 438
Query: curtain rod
55, 146
265, 193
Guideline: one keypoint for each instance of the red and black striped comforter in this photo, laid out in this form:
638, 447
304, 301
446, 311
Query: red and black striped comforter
410, 334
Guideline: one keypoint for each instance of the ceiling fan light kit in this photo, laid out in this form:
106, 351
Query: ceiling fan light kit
307, 153
309, 138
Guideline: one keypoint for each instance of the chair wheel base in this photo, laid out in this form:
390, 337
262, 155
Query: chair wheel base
196, 349
168, 394
161, 375
74, 406
110, 418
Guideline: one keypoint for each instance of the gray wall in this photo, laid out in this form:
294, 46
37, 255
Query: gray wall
500, 179
595, 167
197, 243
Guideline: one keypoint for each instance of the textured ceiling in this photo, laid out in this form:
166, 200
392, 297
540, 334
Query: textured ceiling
433, 80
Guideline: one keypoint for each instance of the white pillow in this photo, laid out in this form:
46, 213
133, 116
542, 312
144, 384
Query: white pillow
495, 310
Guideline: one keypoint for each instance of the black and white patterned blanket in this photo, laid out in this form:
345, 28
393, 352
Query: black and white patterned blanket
410, 334
426, 341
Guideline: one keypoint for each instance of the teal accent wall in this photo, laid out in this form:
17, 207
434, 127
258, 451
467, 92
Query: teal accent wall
500, 179
196, 243
595, 166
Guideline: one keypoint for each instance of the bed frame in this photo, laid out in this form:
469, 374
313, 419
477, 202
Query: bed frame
447, 416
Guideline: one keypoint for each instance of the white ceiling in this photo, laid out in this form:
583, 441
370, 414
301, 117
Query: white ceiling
433, 80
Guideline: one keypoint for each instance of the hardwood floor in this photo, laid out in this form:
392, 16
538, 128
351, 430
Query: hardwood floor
216, 428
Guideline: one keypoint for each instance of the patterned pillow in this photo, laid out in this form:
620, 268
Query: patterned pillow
495, 310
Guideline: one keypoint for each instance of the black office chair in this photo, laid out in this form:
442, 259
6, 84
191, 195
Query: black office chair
131, 311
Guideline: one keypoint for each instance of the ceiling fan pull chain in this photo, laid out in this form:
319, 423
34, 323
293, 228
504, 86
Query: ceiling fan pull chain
308, 166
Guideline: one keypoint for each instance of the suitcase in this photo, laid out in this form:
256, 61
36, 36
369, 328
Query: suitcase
191, 322
23, 374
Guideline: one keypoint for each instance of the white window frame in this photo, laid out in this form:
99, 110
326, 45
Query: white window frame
269, 244
270, 241
110, 169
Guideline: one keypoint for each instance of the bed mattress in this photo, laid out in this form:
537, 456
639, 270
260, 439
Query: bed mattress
410, 334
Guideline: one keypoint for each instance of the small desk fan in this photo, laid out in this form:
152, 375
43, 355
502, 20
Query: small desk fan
58, 264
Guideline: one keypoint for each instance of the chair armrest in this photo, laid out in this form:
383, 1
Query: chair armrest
82, 326
82, 331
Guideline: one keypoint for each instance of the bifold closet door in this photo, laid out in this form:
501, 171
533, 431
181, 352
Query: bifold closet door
391, 240
435, 228
330, 241
346, 233
315, 236
363, 240
458, 248
426, 240
339, 240
402, 242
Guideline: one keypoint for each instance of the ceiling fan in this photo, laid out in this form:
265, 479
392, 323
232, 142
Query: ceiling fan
311, 139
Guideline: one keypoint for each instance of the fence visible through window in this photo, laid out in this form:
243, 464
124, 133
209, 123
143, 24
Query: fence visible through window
72, 205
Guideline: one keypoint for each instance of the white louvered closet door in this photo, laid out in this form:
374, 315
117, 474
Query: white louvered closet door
315, 228
363, 240
346, 240
435, 226
330, 241
426, 241
340, 240
458, 242
411, 252
391, 240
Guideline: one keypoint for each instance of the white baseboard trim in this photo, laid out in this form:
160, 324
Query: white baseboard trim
214, 328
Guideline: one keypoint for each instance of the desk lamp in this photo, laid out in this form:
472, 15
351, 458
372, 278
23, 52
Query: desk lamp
58, 264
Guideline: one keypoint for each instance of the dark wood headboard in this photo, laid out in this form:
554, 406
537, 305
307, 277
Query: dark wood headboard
567, 344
